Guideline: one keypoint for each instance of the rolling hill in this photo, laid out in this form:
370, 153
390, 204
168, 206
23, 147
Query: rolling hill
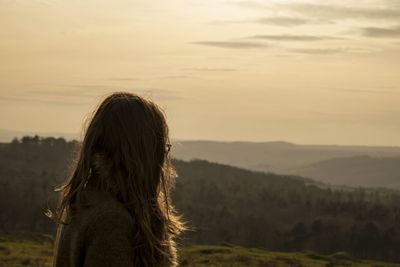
338, 165
355, 171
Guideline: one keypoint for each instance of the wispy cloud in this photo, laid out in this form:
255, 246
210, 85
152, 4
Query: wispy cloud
173, 77
72, 92
375, 90
41, 100
319, 51
343, 12
294, 38
231, 44
393, 32
132, 79
211, 69
362, 91
282, 21
250, 4
158, 93
124, 79
75, 90
329, 11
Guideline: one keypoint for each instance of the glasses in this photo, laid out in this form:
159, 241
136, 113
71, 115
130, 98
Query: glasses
168, 147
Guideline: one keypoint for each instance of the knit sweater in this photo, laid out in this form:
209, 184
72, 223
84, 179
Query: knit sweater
99, 234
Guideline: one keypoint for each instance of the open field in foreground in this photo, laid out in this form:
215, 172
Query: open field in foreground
38, 253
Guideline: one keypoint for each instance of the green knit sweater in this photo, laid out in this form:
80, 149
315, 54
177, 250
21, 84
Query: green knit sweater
98, 235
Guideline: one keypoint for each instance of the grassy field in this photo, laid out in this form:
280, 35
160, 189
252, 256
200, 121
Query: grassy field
38, 253
16, 253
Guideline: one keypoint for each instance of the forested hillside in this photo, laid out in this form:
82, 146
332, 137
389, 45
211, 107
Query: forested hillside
222, 204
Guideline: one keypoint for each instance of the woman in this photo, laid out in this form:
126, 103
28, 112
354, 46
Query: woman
115, 209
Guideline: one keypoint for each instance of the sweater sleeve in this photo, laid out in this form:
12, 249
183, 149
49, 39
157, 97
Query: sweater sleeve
109, 241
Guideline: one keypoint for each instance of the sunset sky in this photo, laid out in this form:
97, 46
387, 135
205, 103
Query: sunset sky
299, 71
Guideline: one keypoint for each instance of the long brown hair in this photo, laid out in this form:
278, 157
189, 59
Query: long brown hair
128, 138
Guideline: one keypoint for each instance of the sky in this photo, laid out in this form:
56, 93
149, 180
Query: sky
308, 72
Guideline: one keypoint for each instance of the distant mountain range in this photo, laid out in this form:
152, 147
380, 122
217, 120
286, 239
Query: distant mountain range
367, 166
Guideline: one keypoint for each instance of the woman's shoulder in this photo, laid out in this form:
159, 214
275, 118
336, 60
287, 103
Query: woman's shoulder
98, 207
